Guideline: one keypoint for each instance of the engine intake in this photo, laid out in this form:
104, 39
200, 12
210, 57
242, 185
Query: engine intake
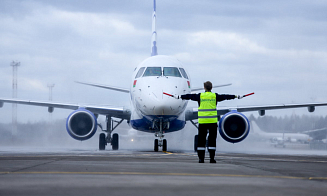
234, 127
81, 124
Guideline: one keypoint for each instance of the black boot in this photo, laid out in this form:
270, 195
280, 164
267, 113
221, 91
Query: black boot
201, 154
212, 156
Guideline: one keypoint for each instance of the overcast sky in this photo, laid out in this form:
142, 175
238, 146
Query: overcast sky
277, 49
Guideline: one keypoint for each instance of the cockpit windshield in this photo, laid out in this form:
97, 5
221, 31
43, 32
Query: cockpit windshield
171, 71
140, 72
183, 73
152, 71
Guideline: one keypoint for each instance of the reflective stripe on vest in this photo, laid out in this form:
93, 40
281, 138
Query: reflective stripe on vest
207, 112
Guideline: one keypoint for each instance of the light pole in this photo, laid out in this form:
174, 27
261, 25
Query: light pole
14, 96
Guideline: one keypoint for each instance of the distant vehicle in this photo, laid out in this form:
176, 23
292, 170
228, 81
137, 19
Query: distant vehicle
279, 139
151, 109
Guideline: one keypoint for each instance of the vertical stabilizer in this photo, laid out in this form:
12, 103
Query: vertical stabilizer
255, 128
154, 51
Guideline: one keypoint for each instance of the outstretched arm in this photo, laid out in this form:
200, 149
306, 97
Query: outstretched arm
193, 97
223, 97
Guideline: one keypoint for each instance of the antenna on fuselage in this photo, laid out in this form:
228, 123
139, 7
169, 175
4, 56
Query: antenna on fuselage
154, 51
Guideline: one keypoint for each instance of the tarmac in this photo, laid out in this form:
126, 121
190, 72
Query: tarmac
39, 171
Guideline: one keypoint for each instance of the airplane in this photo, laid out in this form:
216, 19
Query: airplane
279, 139
151, 110
318, 134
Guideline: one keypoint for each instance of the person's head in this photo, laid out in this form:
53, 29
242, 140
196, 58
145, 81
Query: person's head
207, 86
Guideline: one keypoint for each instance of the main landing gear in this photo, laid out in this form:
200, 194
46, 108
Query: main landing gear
113, 139
197, 136
160, 142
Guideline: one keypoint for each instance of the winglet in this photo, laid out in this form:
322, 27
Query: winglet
154, 50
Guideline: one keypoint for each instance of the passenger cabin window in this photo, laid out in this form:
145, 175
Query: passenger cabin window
140, 72
152, 71
183, 73
171, 71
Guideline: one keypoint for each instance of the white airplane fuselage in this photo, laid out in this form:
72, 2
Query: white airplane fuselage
150, 105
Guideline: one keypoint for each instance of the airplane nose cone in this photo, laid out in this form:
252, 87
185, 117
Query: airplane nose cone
163, 105
166, 108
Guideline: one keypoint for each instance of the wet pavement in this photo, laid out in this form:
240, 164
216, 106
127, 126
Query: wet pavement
137, 172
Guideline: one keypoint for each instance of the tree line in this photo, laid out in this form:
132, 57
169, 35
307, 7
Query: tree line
294, 123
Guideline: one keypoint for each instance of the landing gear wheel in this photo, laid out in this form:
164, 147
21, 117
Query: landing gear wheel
196, 143
156, 145
115, 141
102, 141
164, 145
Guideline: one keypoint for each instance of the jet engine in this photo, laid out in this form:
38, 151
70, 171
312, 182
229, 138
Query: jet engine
234, 127
81, 124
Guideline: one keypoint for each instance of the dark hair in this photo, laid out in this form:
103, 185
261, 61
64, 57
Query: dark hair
208, 86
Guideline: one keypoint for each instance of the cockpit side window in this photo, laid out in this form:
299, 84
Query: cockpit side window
140, 72
152, 71
183, 73
171, 71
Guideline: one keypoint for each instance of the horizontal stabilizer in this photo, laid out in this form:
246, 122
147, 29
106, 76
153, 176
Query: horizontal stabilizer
105, 86
216, 86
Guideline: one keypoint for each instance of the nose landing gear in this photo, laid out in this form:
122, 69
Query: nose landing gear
160, 142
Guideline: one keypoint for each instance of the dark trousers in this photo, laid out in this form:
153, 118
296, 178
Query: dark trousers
202, 138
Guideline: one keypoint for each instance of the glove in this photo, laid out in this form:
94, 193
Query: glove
239, 97
176, 96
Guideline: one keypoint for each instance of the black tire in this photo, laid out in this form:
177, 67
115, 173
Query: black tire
156, 145
102, 141
196, 143
115, 141
164, 145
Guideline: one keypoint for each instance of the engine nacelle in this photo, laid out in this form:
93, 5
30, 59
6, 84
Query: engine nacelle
234, 127
81, 124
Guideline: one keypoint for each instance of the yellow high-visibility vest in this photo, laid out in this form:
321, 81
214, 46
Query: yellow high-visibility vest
207, 112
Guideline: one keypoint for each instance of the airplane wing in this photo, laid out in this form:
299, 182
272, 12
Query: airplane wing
105, 87
192, 113
103, 110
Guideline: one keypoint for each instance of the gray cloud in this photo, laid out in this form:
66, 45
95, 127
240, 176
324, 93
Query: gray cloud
275, 48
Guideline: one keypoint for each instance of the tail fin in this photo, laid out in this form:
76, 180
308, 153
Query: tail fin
255, 128
154, 51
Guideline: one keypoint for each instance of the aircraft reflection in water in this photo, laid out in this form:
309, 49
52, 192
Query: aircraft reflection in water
151, 111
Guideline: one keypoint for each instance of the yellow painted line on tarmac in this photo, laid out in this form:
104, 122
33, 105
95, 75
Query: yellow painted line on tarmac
317, 178
171, 174
167, 152
267, 159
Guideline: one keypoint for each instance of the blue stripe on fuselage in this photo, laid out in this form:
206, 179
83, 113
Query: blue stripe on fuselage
145, 125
